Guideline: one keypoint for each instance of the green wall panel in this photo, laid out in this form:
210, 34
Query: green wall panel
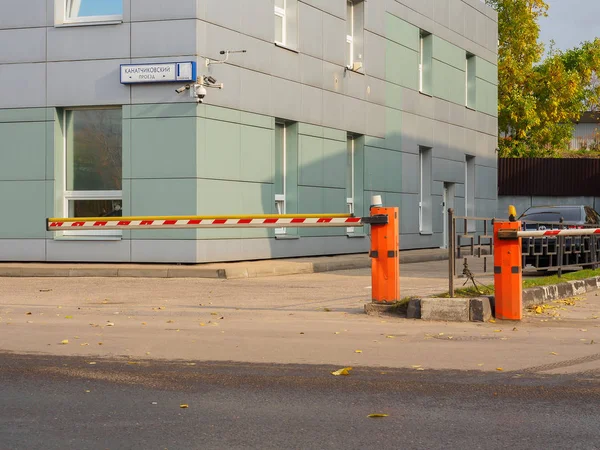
334, 163
487, 98
401, 32
163, 148
222, 150
487, 71
217, 197
27, 201
383, 170
257, 154
26, 115
23, 151
449, 53
402, 65
310, 161
317, 200
449, 83
163, 110
166, 197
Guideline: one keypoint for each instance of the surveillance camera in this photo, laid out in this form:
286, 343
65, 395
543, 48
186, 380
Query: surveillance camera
200, 92
182, 89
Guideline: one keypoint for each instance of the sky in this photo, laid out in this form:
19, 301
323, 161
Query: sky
101, 7
570, 22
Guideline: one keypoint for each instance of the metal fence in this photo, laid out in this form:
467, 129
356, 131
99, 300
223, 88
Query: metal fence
559, 252
470, 248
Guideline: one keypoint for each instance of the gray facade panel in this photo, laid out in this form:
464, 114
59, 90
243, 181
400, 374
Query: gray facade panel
337, 9
88, 43
375, 55
376, 121
22, 85
31, 250
146, 10
312, 105
287, 101
257, 89
311, 71
166, 38
257, 19
333, 110
23, 45
311, 30
101, 83
228, 17
334, 46
15, 15
286, 64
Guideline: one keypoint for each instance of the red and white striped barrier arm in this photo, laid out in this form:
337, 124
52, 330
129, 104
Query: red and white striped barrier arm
567, 232
512, 234
265, 221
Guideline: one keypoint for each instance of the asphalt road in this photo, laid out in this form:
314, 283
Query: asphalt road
49, 402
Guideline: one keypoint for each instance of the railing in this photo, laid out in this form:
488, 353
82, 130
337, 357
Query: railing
559, 246
471, 242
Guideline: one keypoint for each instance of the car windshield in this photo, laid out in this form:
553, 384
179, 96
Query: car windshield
568, 214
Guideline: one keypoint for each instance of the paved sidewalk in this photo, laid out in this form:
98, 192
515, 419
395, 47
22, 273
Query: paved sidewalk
300, 319
235, 270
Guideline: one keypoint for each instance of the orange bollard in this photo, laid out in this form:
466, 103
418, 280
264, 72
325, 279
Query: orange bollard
385, 264
508, 275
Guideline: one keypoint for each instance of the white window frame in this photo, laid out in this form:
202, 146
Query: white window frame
350, 37
280, 199
421, 48
350, 200
281, 12
61, 17
69, 196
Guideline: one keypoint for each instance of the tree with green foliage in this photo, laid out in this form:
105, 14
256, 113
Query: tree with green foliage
538, 101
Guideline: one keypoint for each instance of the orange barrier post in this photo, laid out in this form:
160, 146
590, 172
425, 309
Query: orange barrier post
508, 275
385, 265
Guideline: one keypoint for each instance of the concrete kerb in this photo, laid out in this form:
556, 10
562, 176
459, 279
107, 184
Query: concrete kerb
234, 270
481, 309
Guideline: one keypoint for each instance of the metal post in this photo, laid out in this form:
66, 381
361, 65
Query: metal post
508, 275
451, 244
385, 258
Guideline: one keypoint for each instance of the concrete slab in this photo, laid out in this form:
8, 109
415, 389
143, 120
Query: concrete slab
445, 309
480, 309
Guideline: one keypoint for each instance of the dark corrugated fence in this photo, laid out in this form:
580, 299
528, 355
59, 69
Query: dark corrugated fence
549, 177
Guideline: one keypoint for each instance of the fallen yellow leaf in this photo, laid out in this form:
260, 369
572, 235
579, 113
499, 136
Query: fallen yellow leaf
92, 363
84, 344
499, 369
344, 371
391, 336
170, 321
492, 321
416, 366
553, 353
357, 351
64, 342
377, 416
68, 317
183, 405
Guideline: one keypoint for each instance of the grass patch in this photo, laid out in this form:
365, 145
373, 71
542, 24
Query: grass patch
554, 279
528, 283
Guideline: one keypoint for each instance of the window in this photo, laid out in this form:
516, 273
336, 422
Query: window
425, 207
470, 80
87, 11
355, 34
425, 62
280, 171
470, 191
93, 160
350, 182
286, 23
